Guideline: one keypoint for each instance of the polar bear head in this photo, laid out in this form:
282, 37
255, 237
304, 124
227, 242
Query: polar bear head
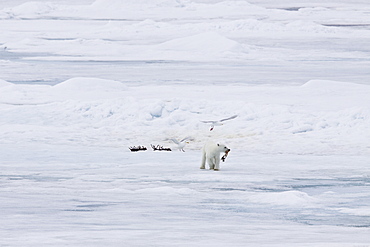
222, 148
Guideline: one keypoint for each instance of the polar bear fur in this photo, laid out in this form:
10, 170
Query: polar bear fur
211, 153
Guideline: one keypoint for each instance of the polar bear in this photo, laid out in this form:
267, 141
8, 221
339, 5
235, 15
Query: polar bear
211, 153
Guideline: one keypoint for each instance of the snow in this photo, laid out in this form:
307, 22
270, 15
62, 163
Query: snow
4, 83
319, 117
82, 82
98, 196
205, 44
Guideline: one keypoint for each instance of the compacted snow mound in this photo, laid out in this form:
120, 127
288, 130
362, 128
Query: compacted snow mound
89, 84
330, 95
325, 85
88, 89
4, 83
209, 42
203, 46
139, 3
30, 9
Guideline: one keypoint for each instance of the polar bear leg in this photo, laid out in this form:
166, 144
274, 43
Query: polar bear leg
211, 163
217, 163
203, 164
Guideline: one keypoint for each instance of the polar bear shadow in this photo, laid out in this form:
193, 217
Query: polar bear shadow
211, 154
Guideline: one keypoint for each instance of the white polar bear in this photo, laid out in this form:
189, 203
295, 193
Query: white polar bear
211, 154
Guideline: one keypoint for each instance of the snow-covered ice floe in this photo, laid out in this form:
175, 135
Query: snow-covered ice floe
199, 41
76, 195
320, 117
81, 83
298, 166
